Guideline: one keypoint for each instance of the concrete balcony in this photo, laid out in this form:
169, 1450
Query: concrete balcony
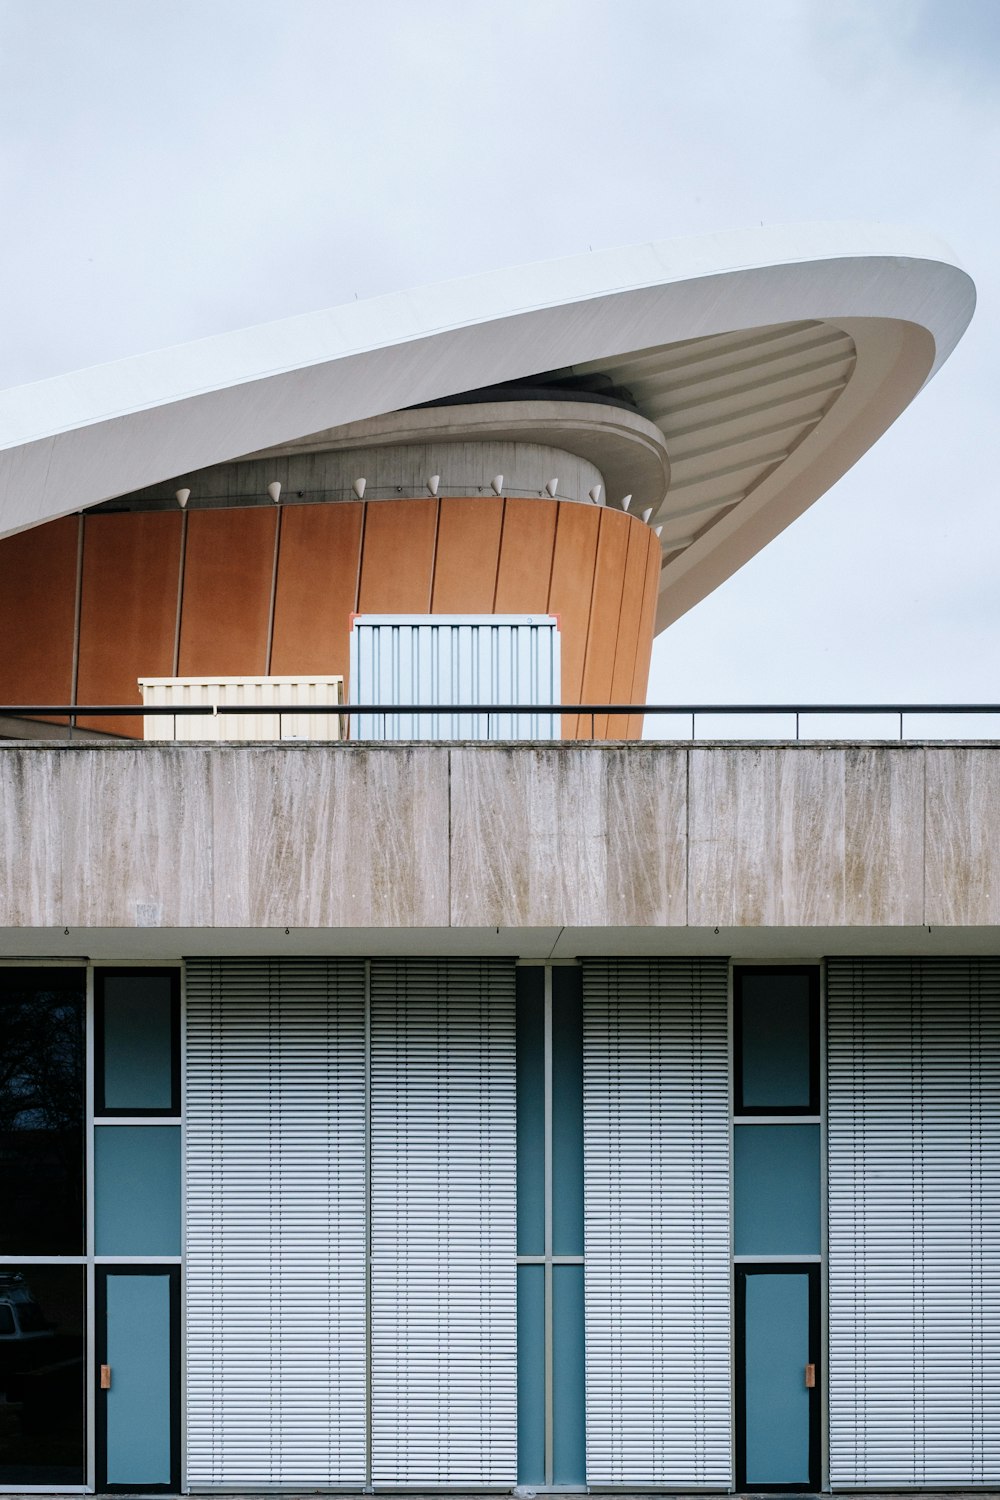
162, 850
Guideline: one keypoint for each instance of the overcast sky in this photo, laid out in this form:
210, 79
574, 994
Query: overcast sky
175, 168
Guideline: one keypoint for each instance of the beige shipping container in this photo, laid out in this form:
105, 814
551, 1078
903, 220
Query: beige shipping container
257, 695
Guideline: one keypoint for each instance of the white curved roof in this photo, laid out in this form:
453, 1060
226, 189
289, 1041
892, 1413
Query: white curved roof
770, 359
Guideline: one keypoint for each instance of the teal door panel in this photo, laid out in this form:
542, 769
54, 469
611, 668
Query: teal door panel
777, 1411
138, 1411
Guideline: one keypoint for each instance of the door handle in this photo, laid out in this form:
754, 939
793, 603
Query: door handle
810, 1377
105, 1377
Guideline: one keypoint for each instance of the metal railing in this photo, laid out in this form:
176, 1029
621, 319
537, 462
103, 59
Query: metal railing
689, 713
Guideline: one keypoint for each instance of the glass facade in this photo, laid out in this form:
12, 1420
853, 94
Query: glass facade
42, 1364
42, 1176
48, 1251
777, 1225
550, 1242
42, 1111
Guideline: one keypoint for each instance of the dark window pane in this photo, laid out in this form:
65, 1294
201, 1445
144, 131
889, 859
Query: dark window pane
41, 1111
567, 1111
137, 1020
530, 1111
776, 1028
42, 1375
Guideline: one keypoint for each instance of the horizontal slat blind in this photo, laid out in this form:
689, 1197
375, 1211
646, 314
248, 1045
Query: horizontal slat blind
656, 1122
444, 1323
914, 1222
275, 1222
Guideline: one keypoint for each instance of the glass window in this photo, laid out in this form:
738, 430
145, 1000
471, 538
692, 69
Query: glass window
567, 1111
41, 1111
530, 1111
569, 1457
531, 1375
137, 1189
42, 1435
777, 1198
776, 1025
137, 1042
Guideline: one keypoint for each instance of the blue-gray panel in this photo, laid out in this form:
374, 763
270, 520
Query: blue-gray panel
138, 1410
569, 1448
776, 1015
776, 1172
531, 1374
777, 1401
530, 1111
567, 1112
137, 1189
138, 1042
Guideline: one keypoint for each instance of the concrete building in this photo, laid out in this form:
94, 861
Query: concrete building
470, 1112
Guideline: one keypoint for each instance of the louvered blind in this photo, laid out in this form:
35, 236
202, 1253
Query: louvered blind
914, 1222
656, 1123
443, 1285
275, 1222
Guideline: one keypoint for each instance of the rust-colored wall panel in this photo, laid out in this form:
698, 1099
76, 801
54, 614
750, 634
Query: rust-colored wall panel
398, 557
128, 609
597, 569
227, 592
629, 622
468, 550
317, 592
573, 561
525, 570
644, 648
606, 603
38, 613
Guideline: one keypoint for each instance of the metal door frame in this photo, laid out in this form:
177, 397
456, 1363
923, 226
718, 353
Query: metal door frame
772, 1268
173, 1273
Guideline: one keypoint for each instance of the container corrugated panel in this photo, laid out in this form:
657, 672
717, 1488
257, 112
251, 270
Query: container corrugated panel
456, 659
257, 694
658, 1284
914, 1222
443, 1236
275, 1241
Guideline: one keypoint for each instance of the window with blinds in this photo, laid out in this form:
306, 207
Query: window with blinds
275, 1222
443, 1278
658, 1296
914, 1222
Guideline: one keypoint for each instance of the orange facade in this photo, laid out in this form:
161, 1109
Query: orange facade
88, 606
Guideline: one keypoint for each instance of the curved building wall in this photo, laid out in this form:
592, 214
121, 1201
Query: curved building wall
98, 601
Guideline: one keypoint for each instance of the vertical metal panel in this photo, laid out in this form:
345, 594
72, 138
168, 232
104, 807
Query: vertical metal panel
656, 1125
275, 1222
445, 659
444, 1323
914, 1222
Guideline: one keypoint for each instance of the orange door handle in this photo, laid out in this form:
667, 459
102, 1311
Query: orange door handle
105, 1377
810, 1377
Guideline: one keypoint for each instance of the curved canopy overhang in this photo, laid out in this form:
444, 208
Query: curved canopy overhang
770, 360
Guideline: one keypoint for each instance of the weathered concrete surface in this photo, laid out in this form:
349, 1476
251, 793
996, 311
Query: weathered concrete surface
398, 837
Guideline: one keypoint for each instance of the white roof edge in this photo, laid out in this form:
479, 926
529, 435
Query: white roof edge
397, 317
110, 429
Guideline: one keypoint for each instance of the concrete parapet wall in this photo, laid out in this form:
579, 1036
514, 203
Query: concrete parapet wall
403, 837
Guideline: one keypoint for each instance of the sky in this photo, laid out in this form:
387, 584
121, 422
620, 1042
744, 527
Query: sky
172, 170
